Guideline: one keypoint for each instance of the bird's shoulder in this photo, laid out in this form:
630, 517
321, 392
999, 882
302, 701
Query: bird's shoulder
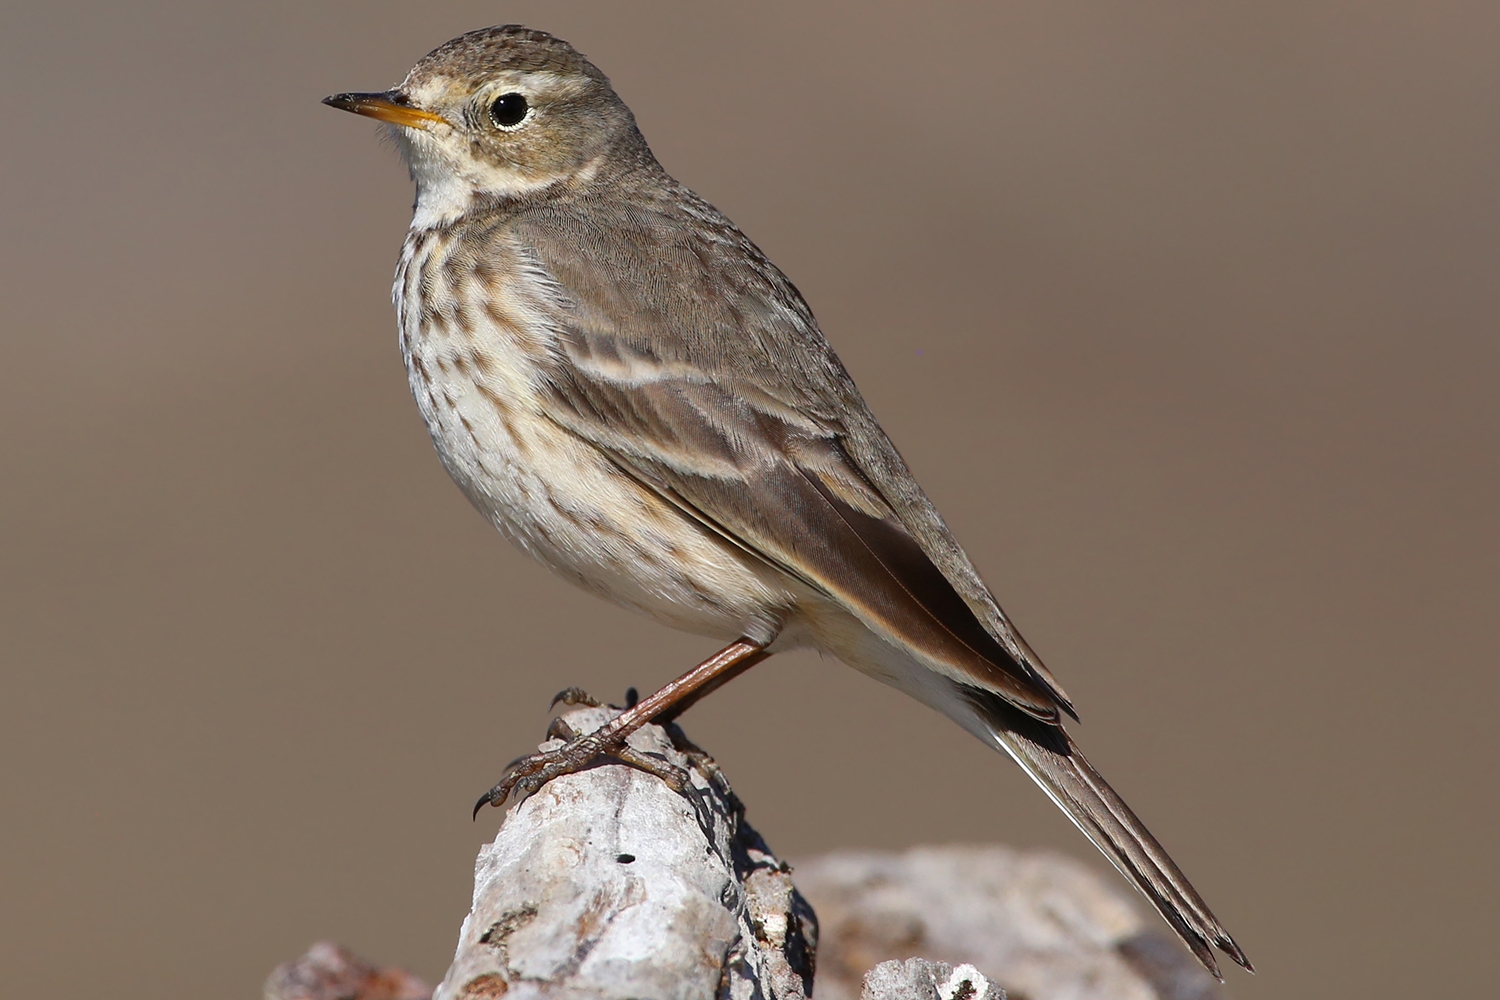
649, 270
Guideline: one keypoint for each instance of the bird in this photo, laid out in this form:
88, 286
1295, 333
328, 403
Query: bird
624, 385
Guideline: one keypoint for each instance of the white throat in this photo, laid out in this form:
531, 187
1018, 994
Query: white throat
448, 184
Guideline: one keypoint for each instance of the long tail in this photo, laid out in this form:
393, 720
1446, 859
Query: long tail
1048, 754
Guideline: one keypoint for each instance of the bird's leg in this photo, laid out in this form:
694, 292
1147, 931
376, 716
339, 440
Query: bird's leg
527, 774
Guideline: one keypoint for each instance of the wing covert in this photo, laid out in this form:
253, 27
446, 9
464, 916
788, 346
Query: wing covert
723, 397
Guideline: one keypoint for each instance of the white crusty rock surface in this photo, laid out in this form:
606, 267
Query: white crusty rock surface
608, 885
1043, 926
919, 979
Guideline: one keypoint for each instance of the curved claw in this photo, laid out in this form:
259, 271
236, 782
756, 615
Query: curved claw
558, 729
527, 774
631, 697
496, 796
573, 696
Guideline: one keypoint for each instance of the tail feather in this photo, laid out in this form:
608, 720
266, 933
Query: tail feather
1049, 756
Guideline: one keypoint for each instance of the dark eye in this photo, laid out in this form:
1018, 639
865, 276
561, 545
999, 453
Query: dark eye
509, 110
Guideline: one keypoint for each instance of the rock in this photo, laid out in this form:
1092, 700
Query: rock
609, 885
1043, 926
919, 979
329, 972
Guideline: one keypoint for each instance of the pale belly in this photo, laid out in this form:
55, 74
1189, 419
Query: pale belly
561, 501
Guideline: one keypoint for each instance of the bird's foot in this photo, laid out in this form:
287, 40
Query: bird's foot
702, 762
526, 775
574, 696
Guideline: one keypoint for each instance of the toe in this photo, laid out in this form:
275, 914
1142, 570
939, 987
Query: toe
559, 729
574, 696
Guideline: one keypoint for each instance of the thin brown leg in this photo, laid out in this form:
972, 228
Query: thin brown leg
690, 698
527, 774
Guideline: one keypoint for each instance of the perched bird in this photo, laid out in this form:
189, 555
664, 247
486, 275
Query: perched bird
633, 394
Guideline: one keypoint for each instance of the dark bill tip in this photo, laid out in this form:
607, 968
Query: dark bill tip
389, 106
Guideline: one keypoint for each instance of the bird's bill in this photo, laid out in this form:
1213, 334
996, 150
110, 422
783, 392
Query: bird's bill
387, 107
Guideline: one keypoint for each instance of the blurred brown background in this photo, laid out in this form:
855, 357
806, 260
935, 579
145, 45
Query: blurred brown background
1184, 314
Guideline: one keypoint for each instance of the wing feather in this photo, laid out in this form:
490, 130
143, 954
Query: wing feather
718, 391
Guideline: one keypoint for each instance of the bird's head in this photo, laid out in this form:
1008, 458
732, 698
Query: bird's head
502, 113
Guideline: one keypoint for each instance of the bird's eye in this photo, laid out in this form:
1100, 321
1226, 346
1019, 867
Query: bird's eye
509, 110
